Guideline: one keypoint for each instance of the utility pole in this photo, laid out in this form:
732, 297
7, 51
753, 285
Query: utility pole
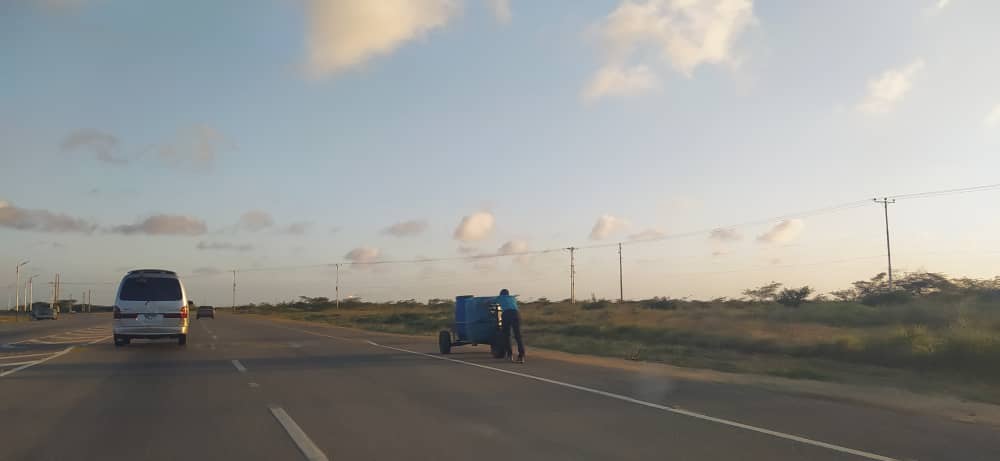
572, 275
55, 294
234, 291
30, 295
888, 249
17, 283
621, 286
337, 286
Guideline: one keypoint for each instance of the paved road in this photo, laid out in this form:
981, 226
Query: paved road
245, 388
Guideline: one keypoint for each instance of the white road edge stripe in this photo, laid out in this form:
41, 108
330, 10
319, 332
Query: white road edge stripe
239, 366
46, 359
306, 445
726, 422
6, 357
29, 365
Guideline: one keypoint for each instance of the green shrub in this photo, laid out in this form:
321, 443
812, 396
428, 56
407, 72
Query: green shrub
660, 303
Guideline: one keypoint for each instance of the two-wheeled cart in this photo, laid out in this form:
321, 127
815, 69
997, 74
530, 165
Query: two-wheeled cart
477, 321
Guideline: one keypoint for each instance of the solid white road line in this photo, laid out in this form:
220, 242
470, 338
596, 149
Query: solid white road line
308, 448
725, 422
239, 366
29, 365
16, 363
6, 357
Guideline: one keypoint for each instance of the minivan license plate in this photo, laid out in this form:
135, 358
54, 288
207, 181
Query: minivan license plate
150, 316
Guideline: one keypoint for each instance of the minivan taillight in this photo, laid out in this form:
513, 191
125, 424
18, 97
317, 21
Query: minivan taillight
184, 312
118, 313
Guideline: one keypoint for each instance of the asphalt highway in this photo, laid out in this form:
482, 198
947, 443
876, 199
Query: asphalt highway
250, 388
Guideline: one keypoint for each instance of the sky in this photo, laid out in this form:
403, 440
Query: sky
280, 137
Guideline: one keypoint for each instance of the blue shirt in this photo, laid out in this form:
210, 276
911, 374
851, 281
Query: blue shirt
507, 303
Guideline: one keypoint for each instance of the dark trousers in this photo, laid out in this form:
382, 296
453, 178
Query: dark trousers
512, 322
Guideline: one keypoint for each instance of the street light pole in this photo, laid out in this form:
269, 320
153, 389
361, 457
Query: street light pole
31, 293
17, 275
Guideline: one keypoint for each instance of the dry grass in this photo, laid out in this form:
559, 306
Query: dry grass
952, 347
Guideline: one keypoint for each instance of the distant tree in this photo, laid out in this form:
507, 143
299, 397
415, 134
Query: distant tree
820, 298
877, 284
793, 297
923, 283
847, 295
542, 300
763, 293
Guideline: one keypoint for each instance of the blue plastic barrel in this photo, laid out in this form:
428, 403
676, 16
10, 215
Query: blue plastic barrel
481, 324
461, 322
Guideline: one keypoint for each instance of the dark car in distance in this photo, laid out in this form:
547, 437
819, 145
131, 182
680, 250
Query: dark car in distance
205, 311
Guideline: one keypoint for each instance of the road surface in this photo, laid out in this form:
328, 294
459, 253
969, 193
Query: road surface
247, 388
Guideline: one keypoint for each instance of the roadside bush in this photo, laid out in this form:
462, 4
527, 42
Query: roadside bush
886, 298
793, 297
660, 303
595, 305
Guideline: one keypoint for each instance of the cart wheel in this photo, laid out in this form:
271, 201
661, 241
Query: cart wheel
444, 341
498, 347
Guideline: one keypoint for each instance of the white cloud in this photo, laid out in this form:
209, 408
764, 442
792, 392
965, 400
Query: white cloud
993, 118
935, 8
783, 232
619, 81
255, 220
362, 255
476, 226
164, 224
889, 88
346, 33
41, 220
296, 228
725, 235
103, 145
605, 226
500, 9
224, 246
517, 248
513, 247
647, 234
406, 228
685, 33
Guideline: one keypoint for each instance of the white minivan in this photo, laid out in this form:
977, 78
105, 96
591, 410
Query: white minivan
151, 304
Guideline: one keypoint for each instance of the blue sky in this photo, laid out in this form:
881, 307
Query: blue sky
339, 119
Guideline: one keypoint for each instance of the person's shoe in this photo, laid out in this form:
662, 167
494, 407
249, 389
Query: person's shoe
520, 359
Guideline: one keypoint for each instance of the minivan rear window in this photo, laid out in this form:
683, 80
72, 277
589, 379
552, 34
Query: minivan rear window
151, 289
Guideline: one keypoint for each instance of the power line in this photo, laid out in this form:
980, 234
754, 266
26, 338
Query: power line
944, 192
